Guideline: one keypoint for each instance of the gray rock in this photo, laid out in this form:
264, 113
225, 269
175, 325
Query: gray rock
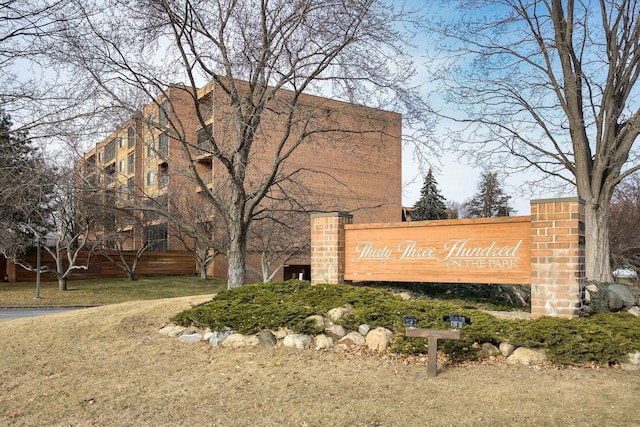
337, 331
615, 303
217, 338
194, 337
350, 340
620, 296
364, 329
379, 339
635, 310
267, 338
299, 341
527, 356
506, 349
337, 313
176, 331
323, 342
633, 362
487, 350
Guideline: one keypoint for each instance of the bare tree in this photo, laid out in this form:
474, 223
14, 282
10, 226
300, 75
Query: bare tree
117, 238
549, 86
196, 225
261, 58
624, 224
278, 239
69, 224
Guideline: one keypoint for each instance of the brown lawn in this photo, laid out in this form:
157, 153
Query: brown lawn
108, 366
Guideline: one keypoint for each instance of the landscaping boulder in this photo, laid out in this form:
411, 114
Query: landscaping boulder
350, 340
487, 350
239, 340
337, 331
172, 330
506, 349
194, 337
324, 342
527, 356
620, 297
267, 338
364, 329
379, 339
216, 338
635, 311
299, 341
633, 362
336, 314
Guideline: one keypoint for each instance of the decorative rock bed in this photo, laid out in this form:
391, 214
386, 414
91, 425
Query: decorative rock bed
336, 338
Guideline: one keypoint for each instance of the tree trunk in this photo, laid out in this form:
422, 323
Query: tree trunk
203, 271
597, 254
236, 256
62, 283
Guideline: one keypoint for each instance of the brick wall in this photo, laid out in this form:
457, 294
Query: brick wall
557, 257
327, 247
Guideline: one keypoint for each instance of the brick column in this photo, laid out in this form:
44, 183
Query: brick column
327, 247
557, 257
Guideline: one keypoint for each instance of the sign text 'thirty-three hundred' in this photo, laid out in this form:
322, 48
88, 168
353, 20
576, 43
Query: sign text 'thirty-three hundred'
453, 253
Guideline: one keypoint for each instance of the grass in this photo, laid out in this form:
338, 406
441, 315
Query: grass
105, 291
109, 366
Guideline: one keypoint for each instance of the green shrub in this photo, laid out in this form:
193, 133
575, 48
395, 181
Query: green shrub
603, 338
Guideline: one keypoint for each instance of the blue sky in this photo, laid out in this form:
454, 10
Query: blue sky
457, 178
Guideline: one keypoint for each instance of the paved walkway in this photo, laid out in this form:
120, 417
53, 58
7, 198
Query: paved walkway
16, 313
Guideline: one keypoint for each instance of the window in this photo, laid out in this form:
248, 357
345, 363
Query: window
121, 143
132, 163
156, 237
121, 166
163, 145
165, 109
150, 149
150, 178
110, 151
100, 156
131, 187
131, 137
164, 178
203, 139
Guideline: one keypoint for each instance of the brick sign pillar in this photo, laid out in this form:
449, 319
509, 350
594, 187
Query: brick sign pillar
327, 247
557, 257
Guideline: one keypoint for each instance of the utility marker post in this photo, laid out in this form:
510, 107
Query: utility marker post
433, 335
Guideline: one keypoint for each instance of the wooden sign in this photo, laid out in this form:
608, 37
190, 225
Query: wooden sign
485, 250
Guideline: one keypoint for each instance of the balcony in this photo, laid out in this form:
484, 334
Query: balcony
204, 153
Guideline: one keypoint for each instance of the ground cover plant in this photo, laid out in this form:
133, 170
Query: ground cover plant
603, 338
105, 291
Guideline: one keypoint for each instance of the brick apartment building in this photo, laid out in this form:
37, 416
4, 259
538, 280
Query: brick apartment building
350, 161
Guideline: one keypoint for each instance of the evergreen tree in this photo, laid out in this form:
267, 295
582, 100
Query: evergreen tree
25, 189
431, 204
490, 200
